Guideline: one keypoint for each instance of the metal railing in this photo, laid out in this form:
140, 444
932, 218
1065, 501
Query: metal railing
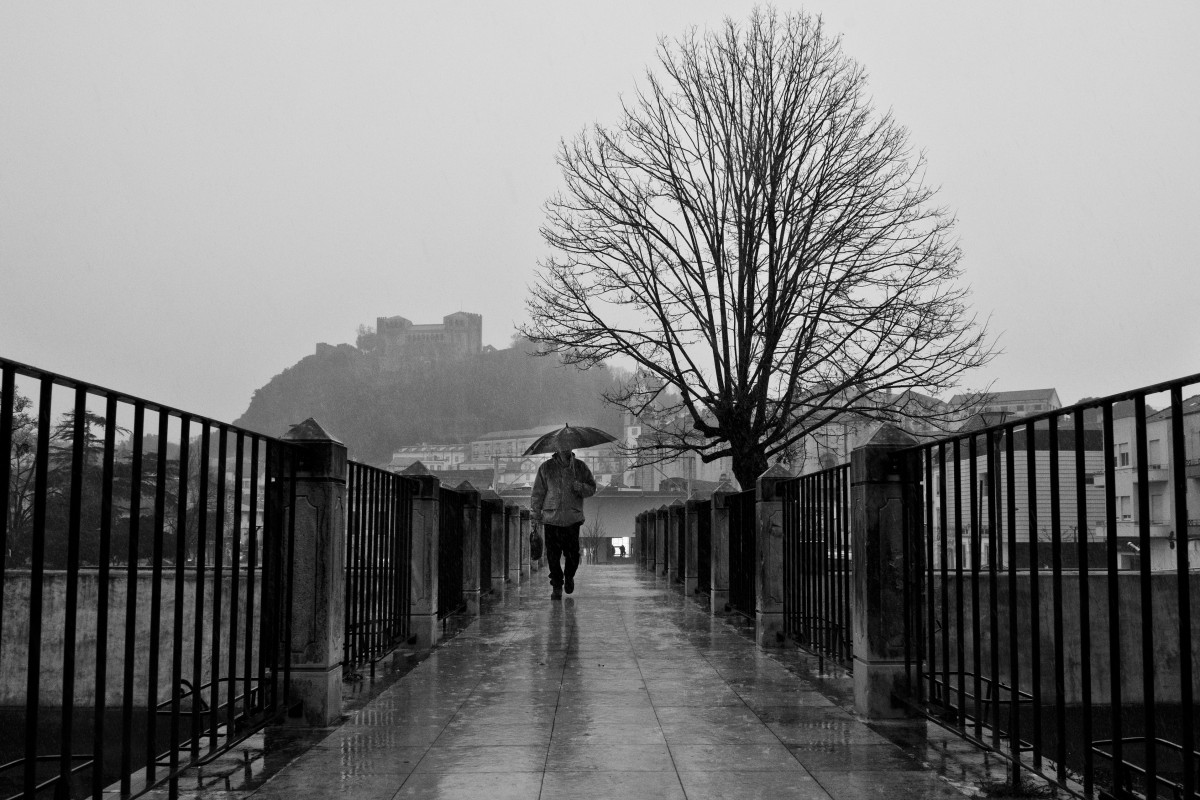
378, 560
145, 560
1043, 626
450, 553
817, 577
743, 530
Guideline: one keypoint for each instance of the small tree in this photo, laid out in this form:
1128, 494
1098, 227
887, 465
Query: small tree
759, 242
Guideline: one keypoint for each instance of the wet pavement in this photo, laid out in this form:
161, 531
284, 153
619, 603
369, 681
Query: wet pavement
625, 689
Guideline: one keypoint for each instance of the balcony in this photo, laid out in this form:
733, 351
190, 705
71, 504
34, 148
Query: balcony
1192, 469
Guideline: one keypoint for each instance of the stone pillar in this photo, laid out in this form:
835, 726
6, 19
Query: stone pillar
674, 536
719, 550
523, 542
883, 493
319, 574
662, 541
691, 532
648, 523
492, 515
423, 582
768, 557
472, 542
512, 535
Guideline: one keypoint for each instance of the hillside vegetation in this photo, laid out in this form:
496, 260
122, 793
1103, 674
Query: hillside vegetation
374, 411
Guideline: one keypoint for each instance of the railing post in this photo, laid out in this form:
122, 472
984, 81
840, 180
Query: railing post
318, 574
691, 533
884, 498
661, 541
426, 527
492, 510
523, 542
674, 531
719, 549
768, 544
472, 534
512, 535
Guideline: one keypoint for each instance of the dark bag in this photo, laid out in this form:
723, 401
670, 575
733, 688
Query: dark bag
535, 544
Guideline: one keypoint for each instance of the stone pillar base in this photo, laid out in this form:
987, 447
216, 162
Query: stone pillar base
689, 586
498, 583
875, 684
319, 689
471, 598
427, 629
718, 599
514, 577
768, 629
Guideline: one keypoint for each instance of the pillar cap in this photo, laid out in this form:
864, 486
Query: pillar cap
309, 431
489, 496
415, 468
890, 435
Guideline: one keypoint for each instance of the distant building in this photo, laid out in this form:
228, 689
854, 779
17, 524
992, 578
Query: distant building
435, 457
1022, 402
1166, 531
399, 341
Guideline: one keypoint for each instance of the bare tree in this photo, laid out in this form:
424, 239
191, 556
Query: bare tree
759, 242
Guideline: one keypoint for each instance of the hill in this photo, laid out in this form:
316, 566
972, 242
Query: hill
373, 410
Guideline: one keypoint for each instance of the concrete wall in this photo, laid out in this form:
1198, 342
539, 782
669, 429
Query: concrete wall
15, 653
1127, 643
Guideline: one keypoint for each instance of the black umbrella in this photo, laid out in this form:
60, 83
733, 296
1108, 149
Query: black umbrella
568, 437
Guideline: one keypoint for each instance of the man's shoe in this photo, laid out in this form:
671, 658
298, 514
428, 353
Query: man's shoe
556, 593
570, 587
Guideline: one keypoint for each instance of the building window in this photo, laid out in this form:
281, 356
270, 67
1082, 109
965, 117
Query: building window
1124, 510
1123, 454
1154, 453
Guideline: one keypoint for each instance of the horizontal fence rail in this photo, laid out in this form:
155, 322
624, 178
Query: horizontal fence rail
378, 560
1059, 587
144, 555
817, 564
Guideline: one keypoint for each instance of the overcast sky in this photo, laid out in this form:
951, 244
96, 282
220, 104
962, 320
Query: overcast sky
193, 195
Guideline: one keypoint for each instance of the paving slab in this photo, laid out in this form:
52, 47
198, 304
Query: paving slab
625, 689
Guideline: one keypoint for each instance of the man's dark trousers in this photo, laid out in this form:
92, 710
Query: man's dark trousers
562, 541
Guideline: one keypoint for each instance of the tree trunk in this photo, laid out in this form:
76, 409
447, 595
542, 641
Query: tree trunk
748, 463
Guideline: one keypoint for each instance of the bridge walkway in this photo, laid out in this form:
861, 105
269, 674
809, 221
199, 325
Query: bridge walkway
624, 689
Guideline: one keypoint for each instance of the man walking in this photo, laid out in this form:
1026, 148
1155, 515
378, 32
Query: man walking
557, 502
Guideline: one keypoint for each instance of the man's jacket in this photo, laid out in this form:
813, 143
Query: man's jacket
555, 495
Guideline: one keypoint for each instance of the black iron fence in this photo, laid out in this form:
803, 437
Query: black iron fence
378, 560
743, 530
1053, 620
144, 553
817, 577
450, 553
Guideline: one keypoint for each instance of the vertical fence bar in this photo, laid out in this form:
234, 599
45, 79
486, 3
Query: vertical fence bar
8, 395
79, 432
235, 575
108, 460
976, 545
959, 595
1035, 636
131, 578
930, 566
252, 692
1114, 609
1014, 663
195, 715
218, 590
944, 571
1056, 570
37, 581
159, 532
180, 559
1183, 582
993, 511
1085, 618
1147, 597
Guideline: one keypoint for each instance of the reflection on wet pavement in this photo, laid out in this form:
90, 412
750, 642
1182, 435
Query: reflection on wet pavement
625, 689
